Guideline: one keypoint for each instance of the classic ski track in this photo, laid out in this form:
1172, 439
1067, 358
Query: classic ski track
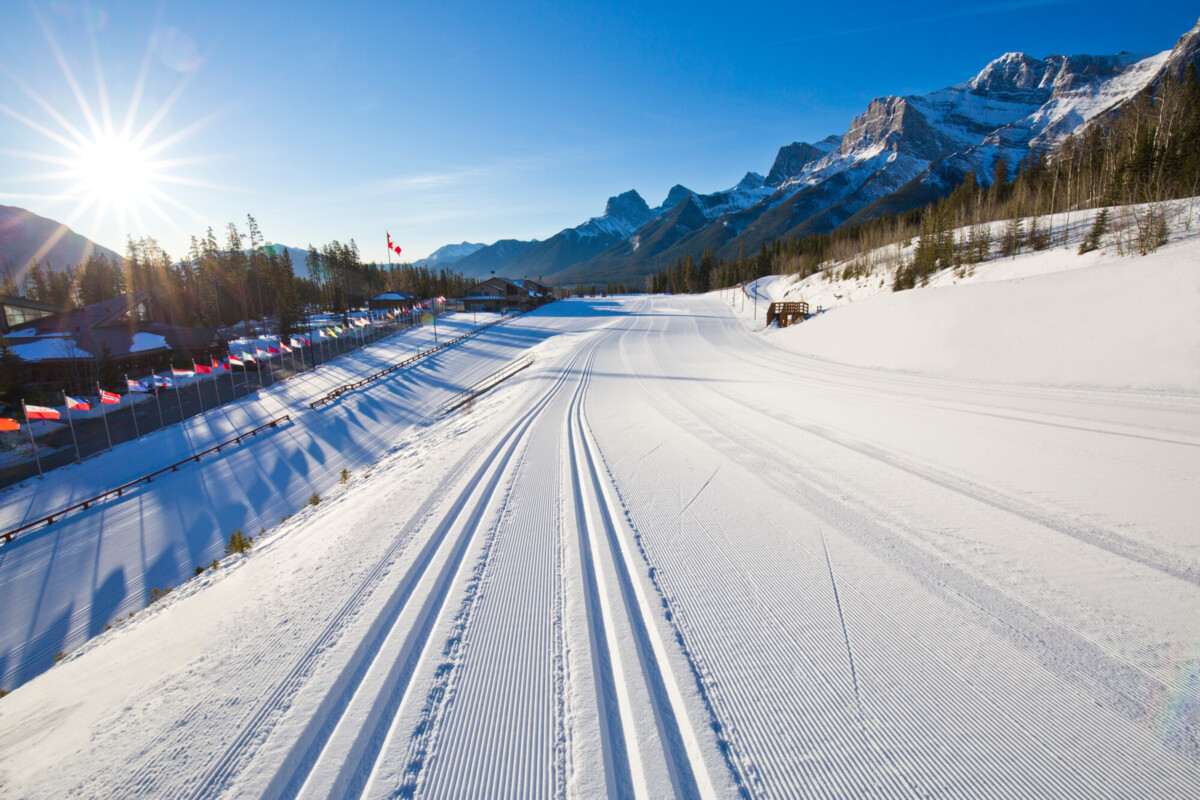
619, 746
353, 776
453, 752
283, 687
1058, 648
682, 749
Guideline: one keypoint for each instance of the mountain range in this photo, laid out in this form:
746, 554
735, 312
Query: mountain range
899, 154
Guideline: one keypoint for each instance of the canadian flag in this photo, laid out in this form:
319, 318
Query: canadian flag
392, 245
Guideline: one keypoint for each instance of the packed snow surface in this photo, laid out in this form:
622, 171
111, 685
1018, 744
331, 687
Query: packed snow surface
672, 558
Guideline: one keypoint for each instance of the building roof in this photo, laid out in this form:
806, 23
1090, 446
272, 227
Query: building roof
86, 333
393, 296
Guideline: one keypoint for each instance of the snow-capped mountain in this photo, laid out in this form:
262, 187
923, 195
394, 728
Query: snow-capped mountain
900, 153
448, 254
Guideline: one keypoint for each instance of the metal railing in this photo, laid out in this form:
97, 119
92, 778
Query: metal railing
120, 490
487, 384
350, 387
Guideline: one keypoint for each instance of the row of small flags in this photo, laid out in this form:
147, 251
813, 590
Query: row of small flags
162, 382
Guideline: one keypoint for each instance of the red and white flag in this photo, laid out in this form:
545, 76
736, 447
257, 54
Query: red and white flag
77, 405
235, 361
182, 373
284, 348
109, 398
41, 412
392, 245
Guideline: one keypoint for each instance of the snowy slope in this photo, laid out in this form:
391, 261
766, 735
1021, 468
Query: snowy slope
671, 559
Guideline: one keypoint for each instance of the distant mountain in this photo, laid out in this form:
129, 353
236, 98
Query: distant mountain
899, 154
299, 258
26, 238
493, 258
448, 254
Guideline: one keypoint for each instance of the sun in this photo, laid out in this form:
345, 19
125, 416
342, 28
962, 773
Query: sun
115, 172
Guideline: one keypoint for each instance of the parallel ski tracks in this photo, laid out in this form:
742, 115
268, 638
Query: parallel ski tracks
681, 748
151, 778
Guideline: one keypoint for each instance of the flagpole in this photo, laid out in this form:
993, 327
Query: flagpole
103, 414
66, 403
258, 367
232, 386
178, 397
157, 399
199, 396
29, 425
136, 432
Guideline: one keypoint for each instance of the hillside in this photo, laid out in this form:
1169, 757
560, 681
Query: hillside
27, 238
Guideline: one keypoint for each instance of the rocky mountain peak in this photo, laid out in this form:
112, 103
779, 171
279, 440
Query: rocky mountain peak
627, 207
1011, 74
677, 195
750, 181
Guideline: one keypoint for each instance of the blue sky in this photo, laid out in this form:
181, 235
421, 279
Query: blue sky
451, 121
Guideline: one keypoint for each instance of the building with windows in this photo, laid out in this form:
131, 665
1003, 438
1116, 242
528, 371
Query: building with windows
71, 350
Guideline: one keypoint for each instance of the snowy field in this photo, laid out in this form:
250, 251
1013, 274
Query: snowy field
675, 557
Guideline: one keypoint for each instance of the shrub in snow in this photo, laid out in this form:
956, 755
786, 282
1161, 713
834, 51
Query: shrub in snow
238, 543
345, 475
157, 594
316, 498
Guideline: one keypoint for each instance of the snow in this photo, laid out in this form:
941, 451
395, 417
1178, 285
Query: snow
677, 556
147, 341
47, 347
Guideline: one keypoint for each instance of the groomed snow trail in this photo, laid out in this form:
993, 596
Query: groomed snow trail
669, 560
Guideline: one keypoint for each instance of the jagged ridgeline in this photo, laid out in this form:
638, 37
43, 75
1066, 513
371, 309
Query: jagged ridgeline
902, 155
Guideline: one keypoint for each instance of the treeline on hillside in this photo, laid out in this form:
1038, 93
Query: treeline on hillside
1146, 153
341, 280
223, 283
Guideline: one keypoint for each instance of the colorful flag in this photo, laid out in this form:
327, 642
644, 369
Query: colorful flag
161, 382
9, 425
109, 398
246, 355
284, 348
258, 351
77, 405
135, 386
201, 369
274, 350
41, 412
235, 361
182, 373
333, 333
